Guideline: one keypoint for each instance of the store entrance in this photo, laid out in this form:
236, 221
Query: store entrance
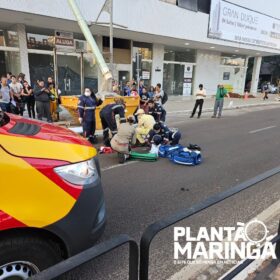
173, 78
73, 71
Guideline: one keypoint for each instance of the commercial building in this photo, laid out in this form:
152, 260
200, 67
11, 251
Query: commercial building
180, 43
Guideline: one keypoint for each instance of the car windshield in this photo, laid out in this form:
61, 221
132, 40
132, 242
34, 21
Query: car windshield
4, 119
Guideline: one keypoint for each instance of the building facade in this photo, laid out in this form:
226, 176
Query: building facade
179, 44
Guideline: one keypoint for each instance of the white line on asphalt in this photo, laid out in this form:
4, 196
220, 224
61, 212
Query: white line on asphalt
261, 129
117, 165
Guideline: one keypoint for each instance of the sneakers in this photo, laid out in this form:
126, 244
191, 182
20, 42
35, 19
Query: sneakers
213, 117
191, 116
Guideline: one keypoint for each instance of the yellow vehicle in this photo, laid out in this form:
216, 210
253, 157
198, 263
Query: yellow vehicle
71, 104
51, 202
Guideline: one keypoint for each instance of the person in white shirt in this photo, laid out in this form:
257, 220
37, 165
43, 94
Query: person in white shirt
158, 94
200, 95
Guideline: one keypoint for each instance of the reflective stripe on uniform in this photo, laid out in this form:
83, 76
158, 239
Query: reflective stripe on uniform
89, 108
116, 106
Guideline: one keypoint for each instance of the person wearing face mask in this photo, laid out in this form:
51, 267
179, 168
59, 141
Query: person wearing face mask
86, 106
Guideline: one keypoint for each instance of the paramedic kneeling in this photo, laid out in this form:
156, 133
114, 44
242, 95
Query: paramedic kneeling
161, 134
125, 136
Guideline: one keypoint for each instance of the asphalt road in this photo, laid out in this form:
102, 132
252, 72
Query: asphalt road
240, 145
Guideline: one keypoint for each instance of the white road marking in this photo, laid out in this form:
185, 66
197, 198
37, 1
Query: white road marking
117, 165
261, 129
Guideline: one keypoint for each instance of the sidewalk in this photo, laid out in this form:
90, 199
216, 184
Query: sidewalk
186, 104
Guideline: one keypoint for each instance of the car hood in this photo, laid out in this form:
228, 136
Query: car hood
30, 138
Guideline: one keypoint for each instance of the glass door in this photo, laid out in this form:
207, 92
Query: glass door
69, 74
173, 78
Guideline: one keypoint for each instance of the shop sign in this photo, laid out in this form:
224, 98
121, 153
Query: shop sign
187, 85
234, 23
64, 39
145, 75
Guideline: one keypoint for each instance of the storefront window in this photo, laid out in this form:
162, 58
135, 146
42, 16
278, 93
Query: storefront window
40, 42
144, 53
232, 59
90, 73
183, 55
144, 49
8, 38
40, 67
9, 62
121, 51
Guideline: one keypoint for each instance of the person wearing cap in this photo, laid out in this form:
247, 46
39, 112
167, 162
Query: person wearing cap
161, 134
125, 136
145, 124
108, 118
157, 111
200, 95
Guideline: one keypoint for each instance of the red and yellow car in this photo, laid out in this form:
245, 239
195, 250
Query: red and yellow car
51, 198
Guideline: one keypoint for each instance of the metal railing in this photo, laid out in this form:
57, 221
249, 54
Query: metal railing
149, 234
152, 230
92, 253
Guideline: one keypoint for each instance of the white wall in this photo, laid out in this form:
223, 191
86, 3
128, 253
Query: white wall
207, 71
146, 16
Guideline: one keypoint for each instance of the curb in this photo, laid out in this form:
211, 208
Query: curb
207, 110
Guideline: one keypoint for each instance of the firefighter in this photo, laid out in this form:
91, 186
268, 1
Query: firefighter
86, 106
124, 138
161, 134
145, 124
157, 111
108, 118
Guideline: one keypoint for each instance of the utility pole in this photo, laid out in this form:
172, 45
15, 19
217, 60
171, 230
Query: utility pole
111, 39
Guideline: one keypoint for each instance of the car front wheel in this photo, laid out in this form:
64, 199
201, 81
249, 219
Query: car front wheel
24, 256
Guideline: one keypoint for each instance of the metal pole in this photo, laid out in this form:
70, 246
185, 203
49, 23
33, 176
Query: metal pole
55, 69
111, 39
84, 27
138, 71
82, 72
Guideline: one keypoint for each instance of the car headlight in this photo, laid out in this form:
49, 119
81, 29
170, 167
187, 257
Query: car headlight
78, 173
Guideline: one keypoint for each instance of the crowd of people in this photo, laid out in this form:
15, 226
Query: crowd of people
41, 101
146, 127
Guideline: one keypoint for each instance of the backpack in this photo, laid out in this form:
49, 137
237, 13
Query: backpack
164, 98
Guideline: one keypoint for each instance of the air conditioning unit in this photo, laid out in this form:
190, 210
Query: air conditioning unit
80, 46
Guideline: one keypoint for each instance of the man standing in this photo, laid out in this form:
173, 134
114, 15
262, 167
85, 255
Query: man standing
16, 96
200, 95
5, 96
219, 102
42, 98
159, 94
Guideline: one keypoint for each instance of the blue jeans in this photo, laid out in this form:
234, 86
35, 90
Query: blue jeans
218, 105
5, 107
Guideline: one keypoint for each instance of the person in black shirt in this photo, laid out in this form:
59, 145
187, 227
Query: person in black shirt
108, 120
29, 99
42, 98
157, 111
144, 98
161, 134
